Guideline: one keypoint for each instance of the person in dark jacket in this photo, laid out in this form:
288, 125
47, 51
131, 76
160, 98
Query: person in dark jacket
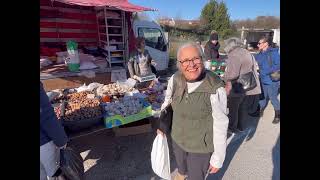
211, 49
52, 138
269, 61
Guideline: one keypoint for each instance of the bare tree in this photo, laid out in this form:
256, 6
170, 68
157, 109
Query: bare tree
265, 22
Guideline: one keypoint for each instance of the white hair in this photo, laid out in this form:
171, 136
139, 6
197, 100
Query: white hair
232, 43
190, 44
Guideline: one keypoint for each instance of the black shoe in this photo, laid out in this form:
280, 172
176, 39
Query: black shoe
230, 131
237, 131
255, 114
261, 113
276, 119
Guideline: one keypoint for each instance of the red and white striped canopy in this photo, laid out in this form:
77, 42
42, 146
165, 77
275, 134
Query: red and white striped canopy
120, 4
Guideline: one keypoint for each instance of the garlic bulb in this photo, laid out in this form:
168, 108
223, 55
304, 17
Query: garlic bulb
126, 106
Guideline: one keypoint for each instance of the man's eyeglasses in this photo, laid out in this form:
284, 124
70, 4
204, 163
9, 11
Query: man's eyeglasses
260, 43
195, 60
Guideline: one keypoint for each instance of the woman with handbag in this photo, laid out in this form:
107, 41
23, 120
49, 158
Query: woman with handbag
243, 85
269, 65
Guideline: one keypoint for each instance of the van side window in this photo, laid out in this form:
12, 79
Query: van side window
153, 38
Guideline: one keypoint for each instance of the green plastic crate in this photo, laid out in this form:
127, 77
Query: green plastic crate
118, 120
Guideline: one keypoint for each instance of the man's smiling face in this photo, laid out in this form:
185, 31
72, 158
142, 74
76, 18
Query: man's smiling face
191, 64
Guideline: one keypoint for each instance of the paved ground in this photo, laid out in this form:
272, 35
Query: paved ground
255, 156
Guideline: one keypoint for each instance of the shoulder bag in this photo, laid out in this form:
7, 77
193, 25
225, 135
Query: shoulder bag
275, 76
245, 82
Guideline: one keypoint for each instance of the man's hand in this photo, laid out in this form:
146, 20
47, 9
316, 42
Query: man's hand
135, 77
213, 170
160, 132
153, 62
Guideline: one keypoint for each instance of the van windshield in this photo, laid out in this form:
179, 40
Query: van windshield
153, 38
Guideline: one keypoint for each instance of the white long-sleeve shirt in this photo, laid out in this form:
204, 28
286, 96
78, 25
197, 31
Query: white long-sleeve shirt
219, 114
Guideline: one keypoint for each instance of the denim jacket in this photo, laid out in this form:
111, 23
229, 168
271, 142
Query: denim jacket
268, 62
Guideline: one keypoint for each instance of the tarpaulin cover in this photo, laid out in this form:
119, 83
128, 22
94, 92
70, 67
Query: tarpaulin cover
120, 4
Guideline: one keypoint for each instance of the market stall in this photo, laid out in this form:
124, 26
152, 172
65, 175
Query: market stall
109, 106
217, 66
101, 31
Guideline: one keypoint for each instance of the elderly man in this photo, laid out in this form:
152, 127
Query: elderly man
200, 122
269, 61
239, 62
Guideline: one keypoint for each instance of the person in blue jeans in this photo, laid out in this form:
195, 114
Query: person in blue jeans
269, 61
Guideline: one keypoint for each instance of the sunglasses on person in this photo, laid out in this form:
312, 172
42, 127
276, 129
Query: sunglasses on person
195, 60
260, 43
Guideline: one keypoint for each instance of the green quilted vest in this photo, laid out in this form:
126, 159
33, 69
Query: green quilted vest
192, 122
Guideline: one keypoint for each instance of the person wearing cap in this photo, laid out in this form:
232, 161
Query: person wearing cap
211, 48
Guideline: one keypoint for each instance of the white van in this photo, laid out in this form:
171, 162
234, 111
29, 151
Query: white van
156, 42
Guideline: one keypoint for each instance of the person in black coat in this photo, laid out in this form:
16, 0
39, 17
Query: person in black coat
211, 48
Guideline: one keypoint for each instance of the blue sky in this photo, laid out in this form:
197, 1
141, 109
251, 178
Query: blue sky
191, 9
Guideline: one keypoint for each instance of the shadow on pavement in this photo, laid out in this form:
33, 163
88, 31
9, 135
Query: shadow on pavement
122, 158
232, 148
276, 160
252, 125
115, 158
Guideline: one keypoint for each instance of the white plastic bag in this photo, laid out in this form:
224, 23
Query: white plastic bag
93, 86
87, 65
82, 88
129, 82
160, 159
87, 74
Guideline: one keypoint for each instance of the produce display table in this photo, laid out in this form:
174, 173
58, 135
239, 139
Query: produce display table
95, 107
